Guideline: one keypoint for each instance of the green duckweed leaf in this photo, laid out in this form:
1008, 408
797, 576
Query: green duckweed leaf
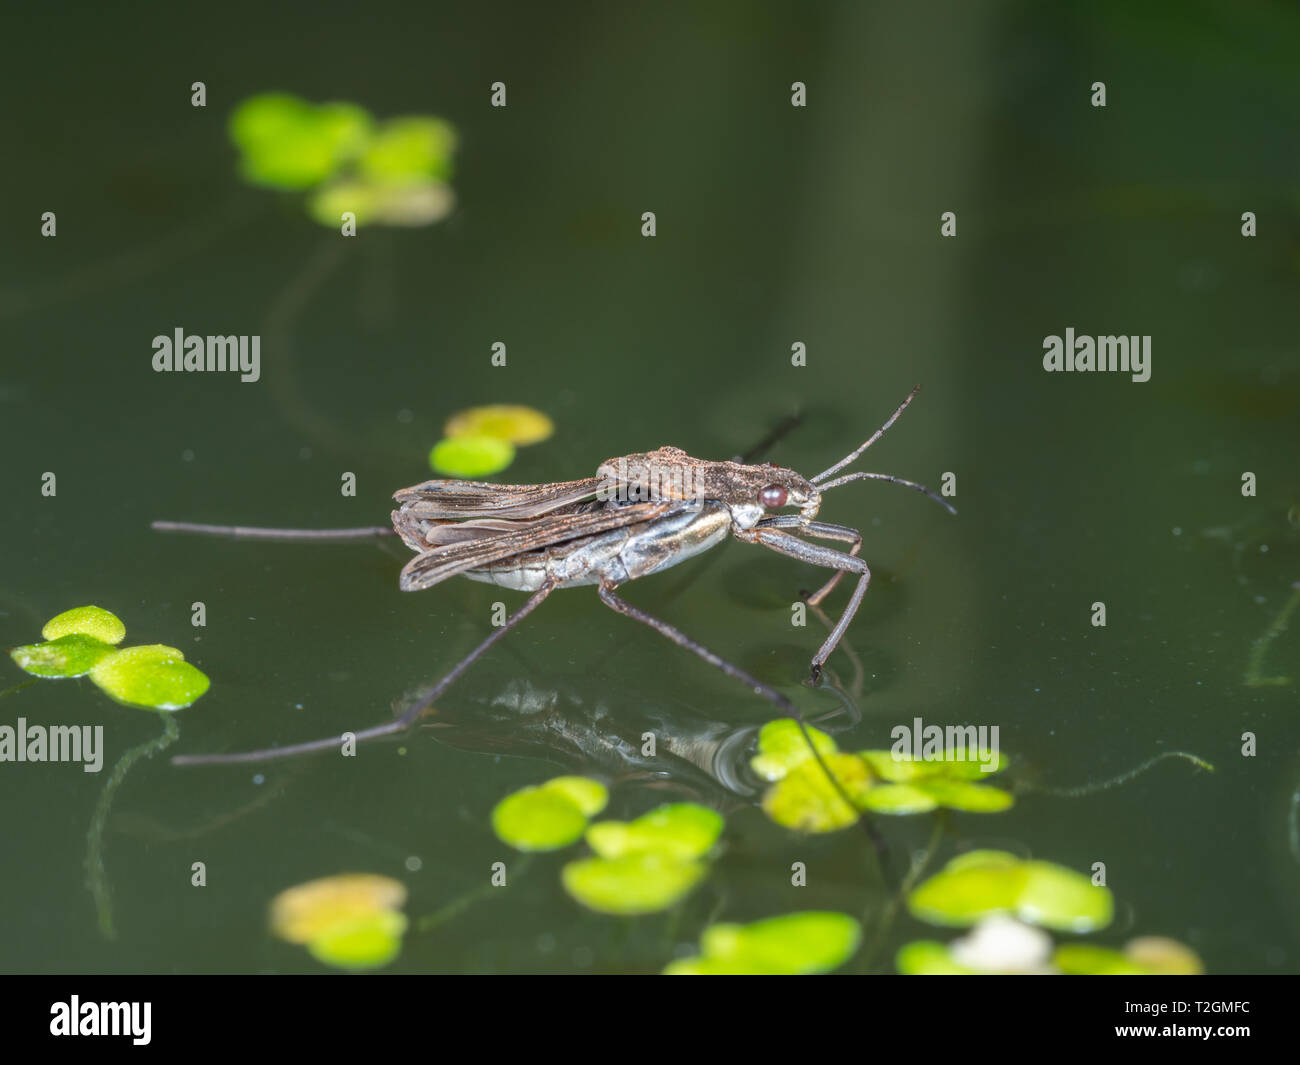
539, 819
590, 796
905, 769
520, 425
899, 799
416, 204
471, 456
1060, 898
305, 912
73, 655
967, 796
151, 675
86, 621
677, 830
632, 884
782, 747
987, 882
794, 944
806, 800
287, 143
367, 942
927, 957
1156, 954
409, 149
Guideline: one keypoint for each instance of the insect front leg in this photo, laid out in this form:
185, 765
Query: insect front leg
826, 531
818, 556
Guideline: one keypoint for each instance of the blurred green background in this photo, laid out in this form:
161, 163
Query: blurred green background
775, 225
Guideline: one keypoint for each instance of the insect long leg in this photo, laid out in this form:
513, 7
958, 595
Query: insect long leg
399, 724
622, 606
826, 531
255, 532
818, 556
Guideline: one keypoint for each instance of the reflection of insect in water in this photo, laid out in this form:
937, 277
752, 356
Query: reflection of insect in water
639, 515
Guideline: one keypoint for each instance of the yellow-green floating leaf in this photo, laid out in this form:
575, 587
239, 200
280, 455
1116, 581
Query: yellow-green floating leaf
926, 957
86, 621
590, 796
288, 143
151, 675
418, 204
307, 911
806, 800
796, 944
633, 884
539, 819
471, 456
68, 656
409, 149
676, 830
989, 882
518, 424
782, 747
369, 942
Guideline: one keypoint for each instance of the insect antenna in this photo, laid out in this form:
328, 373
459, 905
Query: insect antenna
878, 476
874, 437
893, 480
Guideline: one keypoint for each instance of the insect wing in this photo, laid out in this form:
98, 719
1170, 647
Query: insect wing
481, 499
438, 564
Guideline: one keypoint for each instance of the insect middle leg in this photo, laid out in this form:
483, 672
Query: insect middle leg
399, 724
622, 606
773, 537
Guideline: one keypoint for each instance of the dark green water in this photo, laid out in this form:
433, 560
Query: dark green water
775, 225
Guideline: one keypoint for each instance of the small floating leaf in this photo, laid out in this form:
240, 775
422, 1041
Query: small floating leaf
286, 142
307, 911
73, 655
539, 819
471, 456
633, 884
677, 830
964, 795
517, 424
782, 746
927, 957
366, 943
989, 882
899, 799
807, 801
87, 621
417, 204
409, 149
589, 795
1156, 954
902, 768
1060, 898
152, 675
795, 944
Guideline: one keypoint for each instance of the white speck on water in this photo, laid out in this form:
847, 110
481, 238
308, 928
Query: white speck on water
405, 416
187, 455
259, 779
413, 864
1178, 531
545, 943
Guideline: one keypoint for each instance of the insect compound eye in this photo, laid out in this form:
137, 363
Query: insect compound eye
773, 496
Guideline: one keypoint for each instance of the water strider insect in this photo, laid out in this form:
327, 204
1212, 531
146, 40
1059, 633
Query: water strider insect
639, 515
